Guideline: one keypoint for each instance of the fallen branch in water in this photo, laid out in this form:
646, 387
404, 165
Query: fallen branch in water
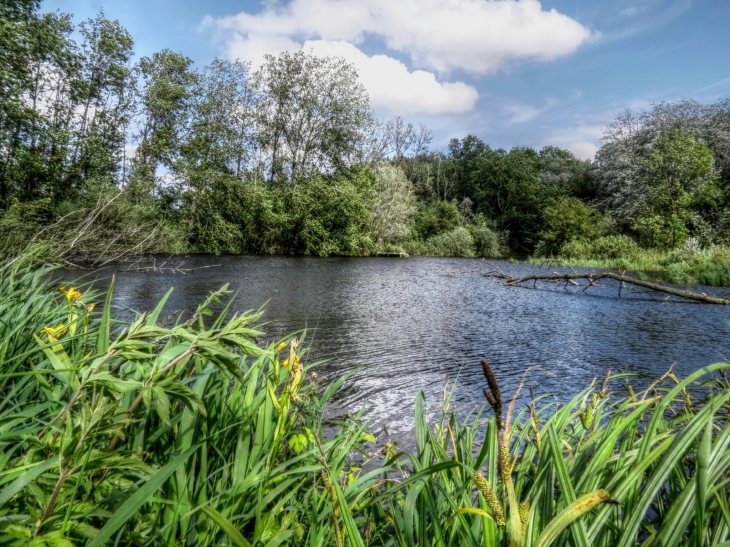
623, 279
149, 264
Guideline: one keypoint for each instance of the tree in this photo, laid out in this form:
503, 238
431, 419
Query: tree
312, 114
678, 168
216, 140
103, 92
165, 97
35, 54
510, 191
392, 207
569, 219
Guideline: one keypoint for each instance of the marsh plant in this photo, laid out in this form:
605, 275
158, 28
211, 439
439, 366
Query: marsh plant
169, 430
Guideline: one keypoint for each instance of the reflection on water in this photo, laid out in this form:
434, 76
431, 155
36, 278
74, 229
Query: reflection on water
408, 324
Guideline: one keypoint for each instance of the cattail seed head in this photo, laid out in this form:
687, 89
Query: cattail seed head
505, 467
495, 506
496, 397
524, 511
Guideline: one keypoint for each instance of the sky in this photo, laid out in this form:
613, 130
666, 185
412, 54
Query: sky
512, 72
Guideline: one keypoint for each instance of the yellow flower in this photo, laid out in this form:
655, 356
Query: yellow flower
71, 294
90, 308
55, 332
281, 347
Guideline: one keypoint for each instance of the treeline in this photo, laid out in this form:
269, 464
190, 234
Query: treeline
102, 155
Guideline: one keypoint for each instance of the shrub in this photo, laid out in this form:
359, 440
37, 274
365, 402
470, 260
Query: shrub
437, 218
569, 219
486, 241
577, 248
457, 242
619, 246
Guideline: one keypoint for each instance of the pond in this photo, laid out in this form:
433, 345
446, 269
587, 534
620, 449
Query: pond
418, 324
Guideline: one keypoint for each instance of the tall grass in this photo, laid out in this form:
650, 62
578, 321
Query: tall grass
685, 266
189, 432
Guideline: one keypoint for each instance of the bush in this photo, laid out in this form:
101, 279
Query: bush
577, 248
457, 242
486, 241
567, 220
614, 247
608, 247
437, 218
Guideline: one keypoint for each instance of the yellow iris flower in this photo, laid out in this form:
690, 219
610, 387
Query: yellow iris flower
55, 332
71, 294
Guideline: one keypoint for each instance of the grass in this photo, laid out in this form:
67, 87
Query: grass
186, 431
696, 267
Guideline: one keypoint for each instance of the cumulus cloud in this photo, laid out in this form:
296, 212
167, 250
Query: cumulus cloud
438, 36
479, 36
395, 89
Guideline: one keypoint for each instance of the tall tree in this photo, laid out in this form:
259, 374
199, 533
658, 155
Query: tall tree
312, 115
677, 170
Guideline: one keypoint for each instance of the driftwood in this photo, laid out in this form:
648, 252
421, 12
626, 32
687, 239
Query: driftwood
592, 277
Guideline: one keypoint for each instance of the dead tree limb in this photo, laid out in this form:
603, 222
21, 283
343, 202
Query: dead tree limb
593, 277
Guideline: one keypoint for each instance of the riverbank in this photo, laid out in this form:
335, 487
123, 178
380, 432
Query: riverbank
709, 267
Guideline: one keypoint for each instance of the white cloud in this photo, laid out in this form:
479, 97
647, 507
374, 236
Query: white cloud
477, 36
395, 89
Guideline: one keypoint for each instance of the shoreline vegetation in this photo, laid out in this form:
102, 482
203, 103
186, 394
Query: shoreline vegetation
103, 156
166, 430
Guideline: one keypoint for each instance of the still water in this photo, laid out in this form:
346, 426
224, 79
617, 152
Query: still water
406, 325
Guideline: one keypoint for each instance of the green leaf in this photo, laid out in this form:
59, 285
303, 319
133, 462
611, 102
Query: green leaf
226, 525
568, 515
132, 504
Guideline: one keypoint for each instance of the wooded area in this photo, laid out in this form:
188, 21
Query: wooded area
102, 155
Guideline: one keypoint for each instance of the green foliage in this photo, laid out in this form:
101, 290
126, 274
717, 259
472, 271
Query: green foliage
607, 247
567, 220
146, 433
436, 218
486, 241
679, 173
456, 242
393, 206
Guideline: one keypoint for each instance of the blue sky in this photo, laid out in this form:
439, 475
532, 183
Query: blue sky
513, 72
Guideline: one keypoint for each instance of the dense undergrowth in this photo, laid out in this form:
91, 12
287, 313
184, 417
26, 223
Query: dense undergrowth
169, 430
685, 266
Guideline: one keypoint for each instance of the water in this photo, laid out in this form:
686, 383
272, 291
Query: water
405, 325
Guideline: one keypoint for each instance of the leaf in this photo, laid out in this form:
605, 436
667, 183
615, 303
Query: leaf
132, 504
568, 515
233, 534
25, 479
298, 443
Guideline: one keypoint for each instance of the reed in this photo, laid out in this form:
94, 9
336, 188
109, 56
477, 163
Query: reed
189, 432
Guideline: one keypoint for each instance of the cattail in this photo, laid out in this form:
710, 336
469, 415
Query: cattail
535, 425
496, 397
586, 417
524, 511
505, 467
495, 506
